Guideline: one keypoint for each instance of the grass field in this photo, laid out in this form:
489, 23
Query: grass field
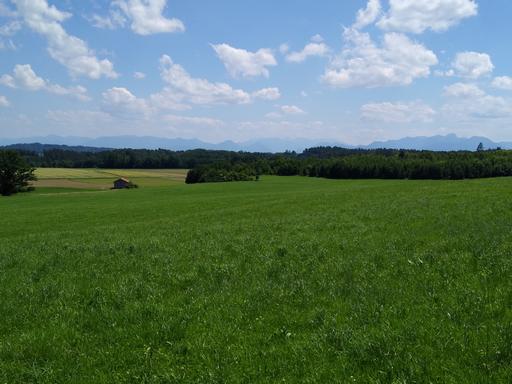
52, 180
285, 280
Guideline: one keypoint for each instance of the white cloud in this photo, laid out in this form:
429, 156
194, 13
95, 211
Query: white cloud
10, 29
147, 18
285, 110
399, 61
292, 110
317, 38
187, 120
316, 48
181, 91
6, 31
121, 102
27, 78
417, 16
503, 82
240, 62
467, 101
368, 15
472, 65
169, 99
463, 90
400, 112
78, 91
267, 94
113, 21
4, 102
484, 107
68, 50
139, 75
24, 77
8, 81
284, 49
184, 88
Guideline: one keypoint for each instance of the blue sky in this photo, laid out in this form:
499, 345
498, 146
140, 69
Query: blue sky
353, 71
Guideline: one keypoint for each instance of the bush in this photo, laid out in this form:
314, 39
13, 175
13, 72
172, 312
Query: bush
15, 173
221, 173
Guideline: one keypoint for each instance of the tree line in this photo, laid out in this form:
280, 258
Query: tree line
384, 164
135, 158
326, 162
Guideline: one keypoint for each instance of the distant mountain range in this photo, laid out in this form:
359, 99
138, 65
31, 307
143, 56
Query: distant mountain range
440, 143
434, 143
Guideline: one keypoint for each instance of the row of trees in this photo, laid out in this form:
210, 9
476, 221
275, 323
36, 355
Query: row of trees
137, 158
327, 162
391, 165
218, 173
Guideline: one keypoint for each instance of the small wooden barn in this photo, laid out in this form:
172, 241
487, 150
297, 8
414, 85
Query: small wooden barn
122, 183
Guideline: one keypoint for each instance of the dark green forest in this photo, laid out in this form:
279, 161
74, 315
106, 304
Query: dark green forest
326, 162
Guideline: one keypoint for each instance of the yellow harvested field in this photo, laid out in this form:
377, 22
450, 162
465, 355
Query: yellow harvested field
99, 179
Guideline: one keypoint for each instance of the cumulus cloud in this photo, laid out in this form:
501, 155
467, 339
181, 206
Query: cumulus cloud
267, 94
146, 16
417, 16
183, 88
284, 48
139, 75
24, 77
317, 38
400, 112
121, 102
472, 65
292, 110
368, 15
463, 90
285, 110
181, 91
199, 91
68, 50
502, 82
4, 102
467, 101
398, 61
316, 48
242, 63
27, 78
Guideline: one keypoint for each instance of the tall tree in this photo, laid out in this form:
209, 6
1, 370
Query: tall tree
15, 173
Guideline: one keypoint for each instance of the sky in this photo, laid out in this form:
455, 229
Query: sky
351, 71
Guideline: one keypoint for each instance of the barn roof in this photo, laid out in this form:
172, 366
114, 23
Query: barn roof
123, 179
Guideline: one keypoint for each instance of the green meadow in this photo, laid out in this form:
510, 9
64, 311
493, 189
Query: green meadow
285, 280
